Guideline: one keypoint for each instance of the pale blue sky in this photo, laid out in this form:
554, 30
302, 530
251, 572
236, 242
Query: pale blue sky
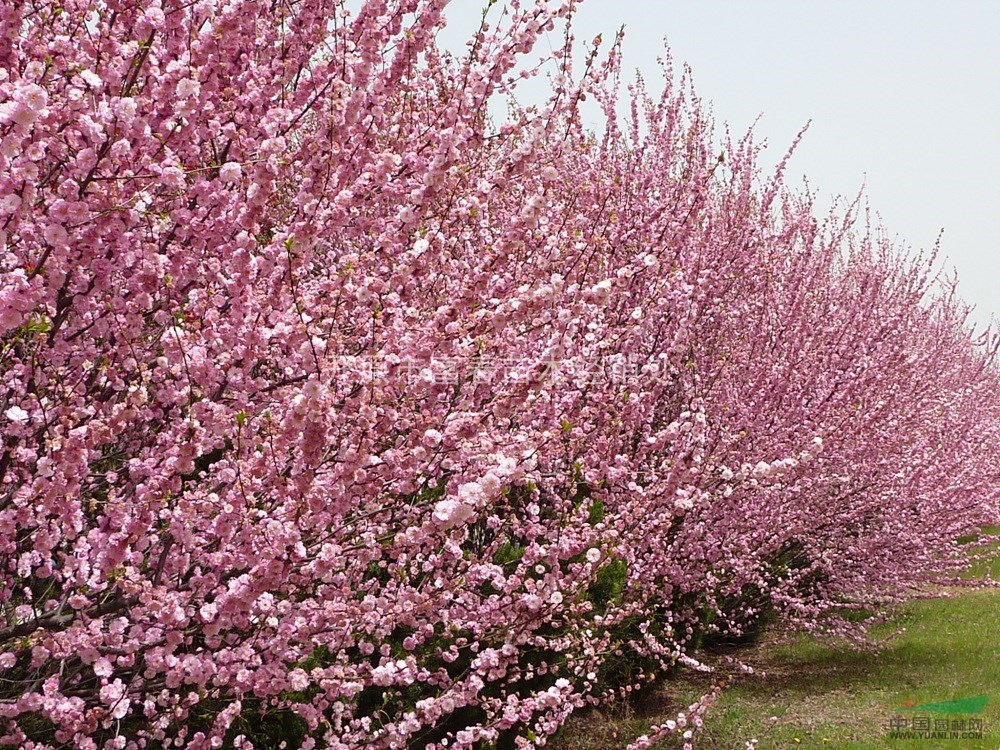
904, 95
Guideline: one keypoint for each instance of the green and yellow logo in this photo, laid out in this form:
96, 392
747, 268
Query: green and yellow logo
972, 705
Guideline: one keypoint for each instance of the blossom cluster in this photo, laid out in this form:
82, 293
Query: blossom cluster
213, 533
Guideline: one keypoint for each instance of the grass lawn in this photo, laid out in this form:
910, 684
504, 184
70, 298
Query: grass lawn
813, 694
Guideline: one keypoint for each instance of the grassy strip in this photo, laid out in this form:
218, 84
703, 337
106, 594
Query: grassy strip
817, 695
813, 694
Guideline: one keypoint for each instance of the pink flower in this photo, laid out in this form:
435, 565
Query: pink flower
172, 177
9, 203
208, 612
112, 695
298, 679
763, 470
55, 234
187, 88
155, 17
34, 97
102, 667
450, 512
17, 414
231, 171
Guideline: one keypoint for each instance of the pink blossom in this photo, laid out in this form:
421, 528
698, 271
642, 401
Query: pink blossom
532, 602
9, 203
155, 17
230, 172
298, 679
450, 512
187, 88
34, 97
112, 694
102, 667
17, 414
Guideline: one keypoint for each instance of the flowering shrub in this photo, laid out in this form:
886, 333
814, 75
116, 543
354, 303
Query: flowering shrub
336, 414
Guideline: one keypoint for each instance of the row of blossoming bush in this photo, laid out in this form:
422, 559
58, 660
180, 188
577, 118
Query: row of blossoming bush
341, 411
